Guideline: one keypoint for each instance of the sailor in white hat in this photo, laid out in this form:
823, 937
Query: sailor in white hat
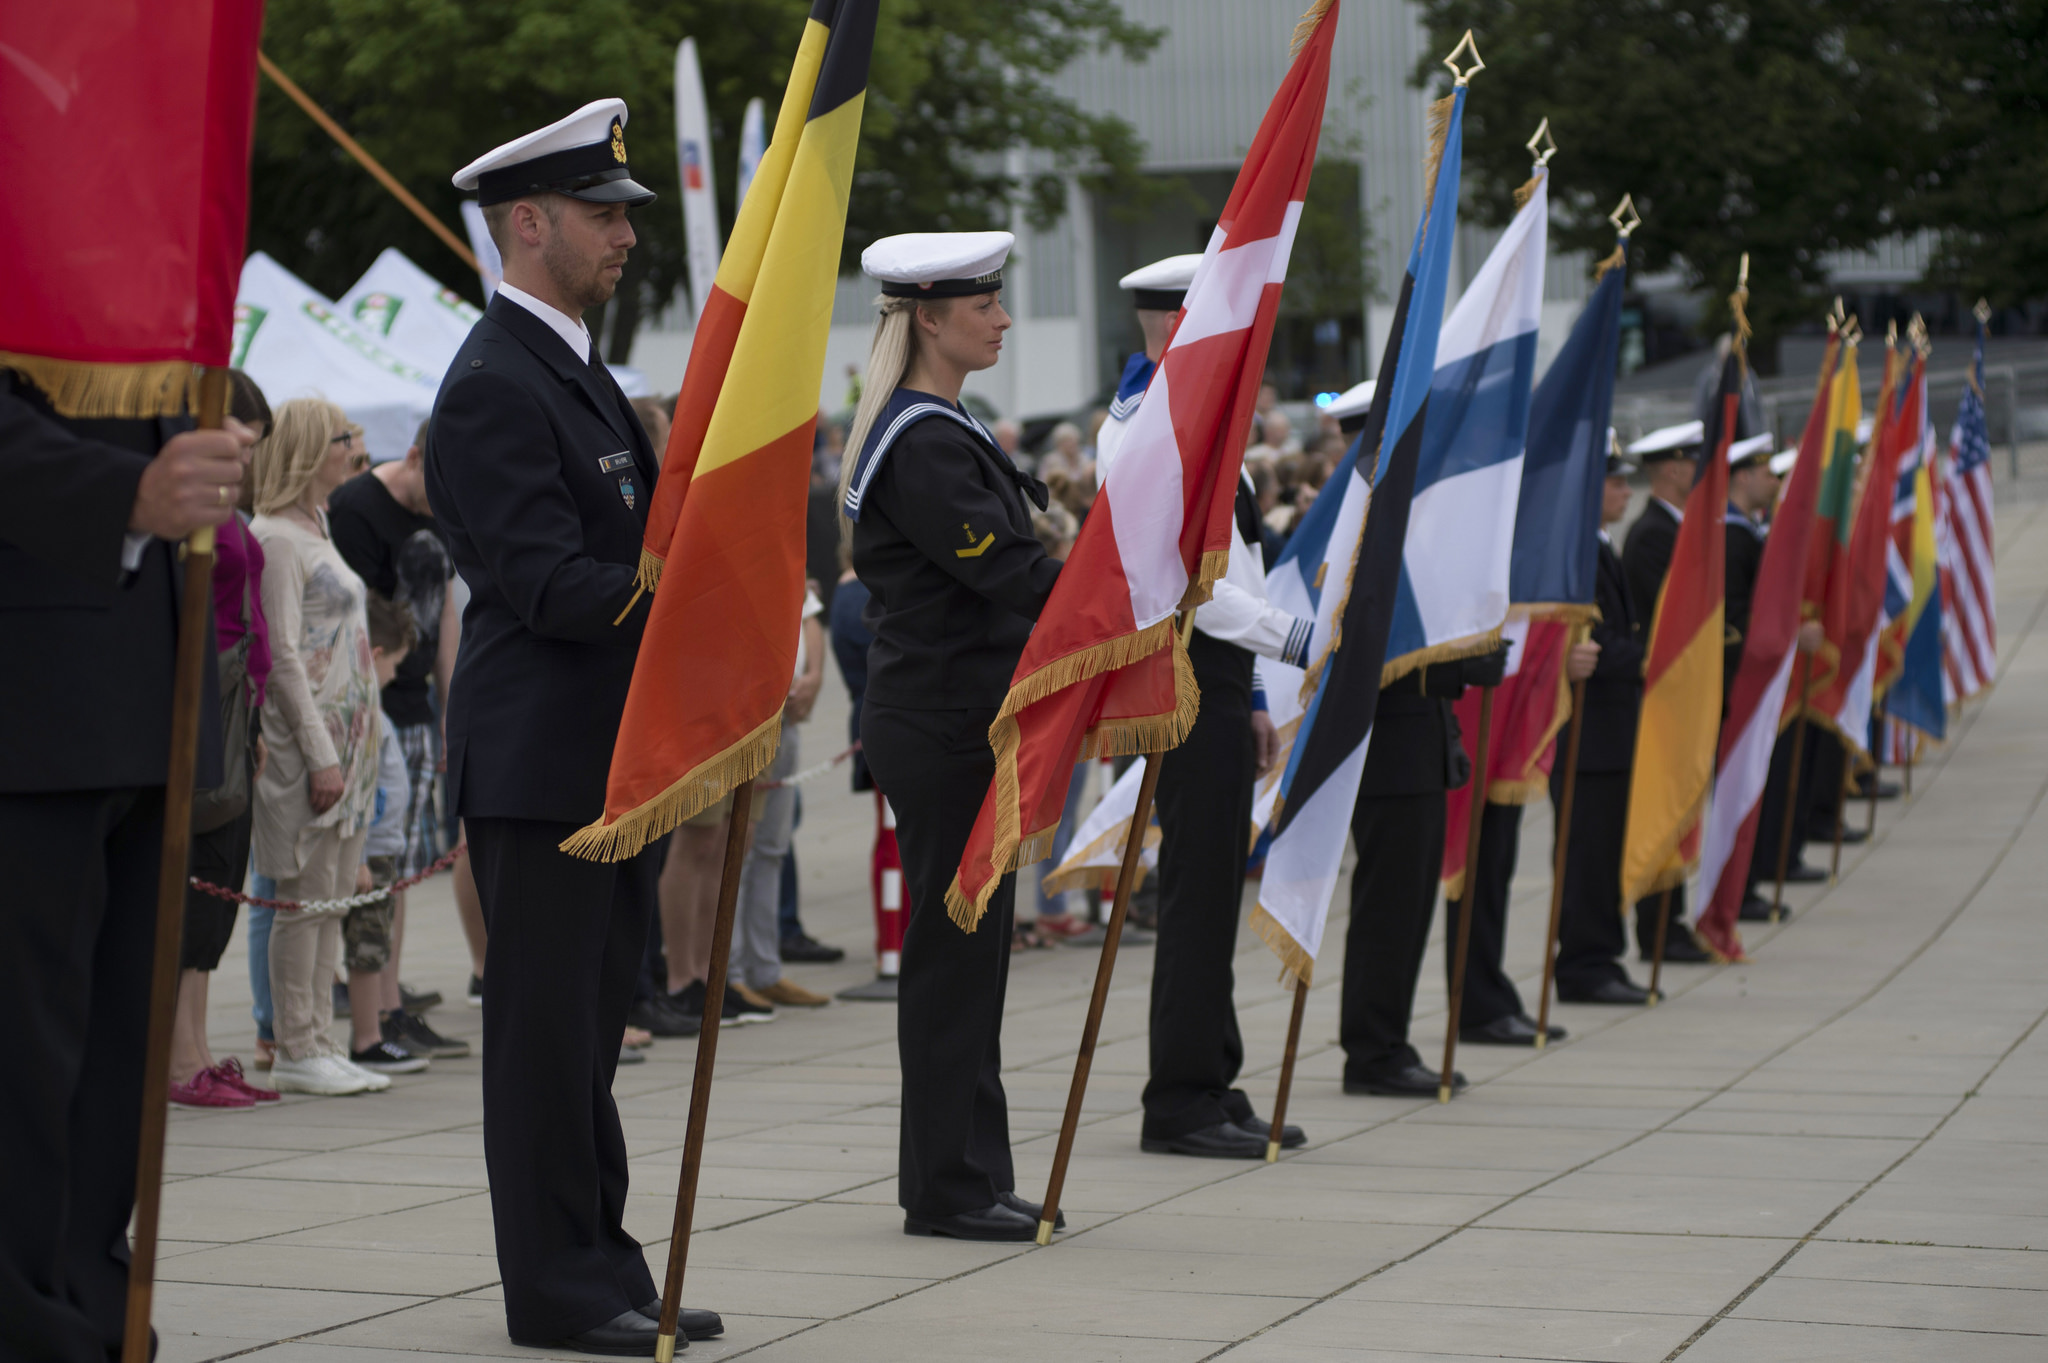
1752, 491
1157, 291
942, 539
1352, 406
540, 477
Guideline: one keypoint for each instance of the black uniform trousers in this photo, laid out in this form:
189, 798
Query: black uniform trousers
954, 1151
1205, 812
78, 916
1400, 840
566, 936
1770, 817
1591, 935
1489, 994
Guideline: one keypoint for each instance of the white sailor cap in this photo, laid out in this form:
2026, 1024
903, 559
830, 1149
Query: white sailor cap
1741, 452
1669, 442
582, 156
939, 264
1351, 405
1163, 285
1864, 428
1783, 460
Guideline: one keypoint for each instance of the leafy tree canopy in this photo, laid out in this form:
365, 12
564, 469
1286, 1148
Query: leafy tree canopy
1781, 128
426, 85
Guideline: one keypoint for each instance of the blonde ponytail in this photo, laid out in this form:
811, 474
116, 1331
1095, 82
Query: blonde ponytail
888, 361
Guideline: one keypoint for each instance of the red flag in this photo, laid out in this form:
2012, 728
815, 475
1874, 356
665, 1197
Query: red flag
1530, 705
1098, 675
142, 115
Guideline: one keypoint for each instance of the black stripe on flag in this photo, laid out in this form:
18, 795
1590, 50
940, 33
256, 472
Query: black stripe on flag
848, 45
1351, 688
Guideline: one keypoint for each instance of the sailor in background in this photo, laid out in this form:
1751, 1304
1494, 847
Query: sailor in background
541, 476
1192, 1106
1591, 938
1670, 457
942, 538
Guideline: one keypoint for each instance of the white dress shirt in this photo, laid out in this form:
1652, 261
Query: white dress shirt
574, 334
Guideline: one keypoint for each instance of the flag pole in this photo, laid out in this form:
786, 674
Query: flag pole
736, 839
187, 679
1464, 936
1791, 788
1657, 951
1286, 1071
1557, 864
1841, 811
1127, 876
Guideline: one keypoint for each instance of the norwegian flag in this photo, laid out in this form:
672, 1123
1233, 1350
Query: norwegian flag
1962, 538
1105, 671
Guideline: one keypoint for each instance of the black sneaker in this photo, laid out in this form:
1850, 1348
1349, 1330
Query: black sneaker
661, 1016
475, 997
416, 1036
387, 1057
341, 1004
807, 950
417, 1003
740, 1010
689, 1002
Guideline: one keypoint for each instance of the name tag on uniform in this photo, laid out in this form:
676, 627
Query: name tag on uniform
612, 463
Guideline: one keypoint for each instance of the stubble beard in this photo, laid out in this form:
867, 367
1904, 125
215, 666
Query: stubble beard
580, 280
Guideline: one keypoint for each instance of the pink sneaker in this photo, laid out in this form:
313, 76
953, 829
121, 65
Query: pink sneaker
208, 1089
229, 1072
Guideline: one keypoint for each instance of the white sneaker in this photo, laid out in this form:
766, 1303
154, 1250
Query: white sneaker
326, 1075
373, 1082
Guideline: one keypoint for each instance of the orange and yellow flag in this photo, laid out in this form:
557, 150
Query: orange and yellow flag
724, 553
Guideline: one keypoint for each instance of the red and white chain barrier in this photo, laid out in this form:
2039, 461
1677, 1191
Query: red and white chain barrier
325, 906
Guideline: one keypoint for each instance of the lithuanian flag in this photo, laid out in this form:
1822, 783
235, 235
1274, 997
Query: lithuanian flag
1826, 598
1679, 729
724, 554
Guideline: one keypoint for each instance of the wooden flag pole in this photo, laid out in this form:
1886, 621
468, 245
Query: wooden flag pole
1657, 952
188, 676
736, 839
1557, 864
1286, 1071
1791, 789
1841, 813
1464, 936
1113, 932
1876, 777
367, 161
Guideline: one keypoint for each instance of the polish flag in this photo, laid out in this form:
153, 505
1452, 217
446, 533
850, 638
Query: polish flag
1105, 671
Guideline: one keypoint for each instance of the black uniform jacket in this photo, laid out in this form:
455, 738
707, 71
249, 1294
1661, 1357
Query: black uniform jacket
85, 691
540, 477
944, 544
1614, 693
1415, 748
1646, 558
1745, 556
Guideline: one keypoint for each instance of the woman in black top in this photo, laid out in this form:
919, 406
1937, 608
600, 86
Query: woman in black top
942, 538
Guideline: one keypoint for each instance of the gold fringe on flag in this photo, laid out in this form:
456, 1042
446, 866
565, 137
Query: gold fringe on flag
644, 582
1295, 963
703, 787
1526, 191
1433, 158
1471, 646
82, 389
1614, 261
1306, 27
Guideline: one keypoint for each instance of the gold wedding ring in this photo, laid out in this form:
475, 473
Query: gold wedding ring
223, 494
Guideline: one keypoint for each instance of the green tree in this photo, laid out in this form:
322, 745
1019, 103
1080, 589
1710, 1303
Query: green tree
1780, 128
426, 85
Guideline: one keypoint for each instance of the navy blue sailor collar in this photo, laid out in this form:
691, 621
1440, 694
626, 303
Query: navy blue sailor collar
1130, 389
905, 408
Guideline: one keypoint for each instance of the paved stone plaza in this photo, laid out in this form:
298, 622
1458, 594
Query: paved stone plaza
1836, 1152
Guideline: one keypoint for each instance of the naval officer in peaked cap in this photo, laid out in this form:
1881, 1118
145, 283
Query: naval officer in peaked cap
942, 538
541, 476
1157, 291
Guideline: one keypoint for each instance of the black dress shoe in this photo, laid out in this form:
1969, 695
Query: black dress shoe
1680, 948
1412, 1081
1225, 1140
808, 950
993, 1222
663, 1017
626, 1335
1512, 1030
689, 1324
1607, 991
1292, 1137
1886, 790
1799, 873
1852, 836
1034, 1210
1756, 909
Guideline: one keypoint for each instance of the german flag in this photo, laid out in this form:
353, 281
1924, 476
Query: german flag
724, 554
1675, 738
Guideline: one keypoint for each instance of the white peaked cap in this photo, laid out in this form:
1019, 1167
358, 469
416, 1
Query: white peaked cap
1671, 438
1172, 274
1748, 449
587, 127
939, 264
1783, 460
1354, 401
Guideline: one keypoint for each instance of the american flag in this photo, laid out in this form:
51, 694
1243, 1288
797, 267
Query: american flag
1963, 547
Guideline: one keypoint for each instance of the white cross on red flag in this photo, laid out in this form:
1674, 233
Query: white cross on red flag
1104, 671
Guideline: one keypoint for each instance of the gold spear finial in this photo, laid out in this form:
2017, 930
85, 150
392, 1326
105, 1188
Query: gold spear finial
1542, 145
1982, 312
1624, 217
1464, 77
